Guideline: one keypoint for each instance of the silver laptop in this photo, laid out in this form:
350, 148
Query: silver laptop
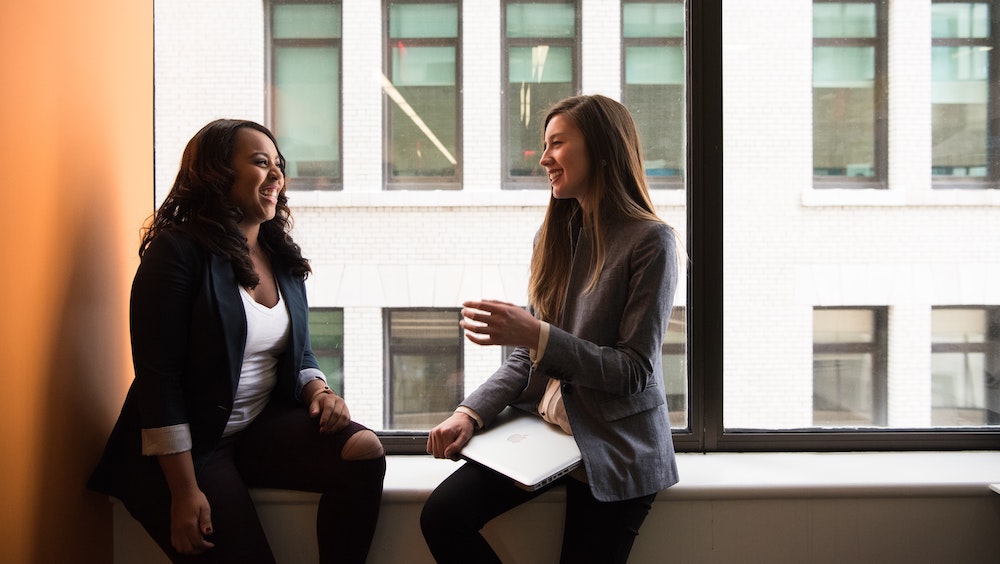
525, 448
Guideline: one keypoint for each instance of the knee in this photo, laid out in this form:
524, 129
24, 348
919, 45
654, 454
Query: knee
363, 445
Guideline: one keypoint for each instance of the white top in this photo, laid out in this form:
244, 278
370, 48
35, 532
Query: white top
267, 335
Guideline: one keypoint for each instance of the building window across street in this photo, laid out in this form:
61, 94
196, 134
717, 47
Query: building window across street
425, 366
849, 367
305, 97
965, 356
963, 95
653, 82
541, 47
850, 102
423, 92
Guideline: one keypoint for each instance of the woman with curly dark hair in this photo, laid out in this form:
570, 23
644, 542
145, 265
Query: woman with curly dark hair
227, 393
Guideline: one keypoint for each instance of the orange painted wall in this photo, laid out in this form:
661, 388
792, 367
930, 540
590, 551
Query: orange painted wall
76, 176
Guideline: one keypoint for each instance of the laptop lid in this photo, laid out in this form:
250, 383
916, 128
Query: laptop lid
525, 448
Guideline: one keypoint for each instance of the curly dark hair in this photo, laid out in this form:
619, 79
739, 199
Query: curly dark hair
199, 205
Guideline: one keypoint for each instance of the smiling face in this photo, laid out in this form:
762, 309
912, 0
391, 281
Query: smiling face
258, 179
565, 159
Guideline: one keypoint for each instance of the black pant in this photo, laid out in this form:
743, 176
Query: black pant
282, 449
595, 531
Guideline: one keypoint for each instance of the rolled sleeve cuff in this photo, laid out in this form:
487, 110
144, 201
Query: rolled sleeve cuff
307, 375
471, 413
166, 440
538, 352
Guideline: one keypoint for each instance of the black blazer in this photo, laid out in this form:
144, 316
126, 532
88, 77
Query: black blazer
188, 332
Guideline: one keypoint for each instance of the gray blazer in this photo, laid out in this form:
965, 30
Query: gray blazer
606, 352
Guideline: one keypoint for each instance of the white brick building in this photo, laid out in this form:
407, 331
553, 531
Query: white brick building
789, 248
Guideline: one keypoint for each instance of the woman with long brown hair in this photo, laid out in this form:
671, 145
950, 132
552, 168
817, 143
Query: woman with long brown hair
588, 349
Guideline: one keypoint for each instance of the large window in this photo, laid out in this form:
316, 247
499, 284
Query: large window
422, 94
305, 99
806, 319
849, 360
541, 51
965, 360
425, 368
849, 95
326, 336
653, 85
962, 94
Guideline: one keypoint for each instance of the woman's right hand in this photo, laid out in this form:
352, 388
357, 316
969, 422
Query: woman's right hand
447, 439
190, 513
190, 522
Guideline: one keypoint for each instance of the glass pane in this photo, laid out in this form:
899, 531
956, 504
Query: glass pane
960, 84
844, 111
423, 66
541, 64
326, 335
963, 385
298, 21
425, 367
843, 367
423, 132
541, 20
675, 374
960, 20
654, 93
843, 326
842, 390
539, 77
844, 20
423, 125
307, 109
833, 298
653, 19
423, 20
958, 326
422, 93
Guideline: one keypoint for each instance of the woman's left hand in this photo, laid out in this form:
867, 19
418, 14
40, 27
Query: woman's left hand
492, 322
331, 410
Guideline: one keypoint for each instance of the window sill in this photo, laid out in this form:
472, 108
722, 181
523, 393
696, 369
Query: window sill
841, 197
722, 476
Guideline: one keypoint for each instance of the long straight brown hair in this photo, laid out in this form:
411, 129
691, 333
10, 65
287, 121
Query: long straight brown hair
618, 190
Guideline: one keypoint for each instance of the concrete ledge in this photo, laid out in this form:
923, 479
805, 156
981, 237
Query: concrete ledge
748, 476
760, 507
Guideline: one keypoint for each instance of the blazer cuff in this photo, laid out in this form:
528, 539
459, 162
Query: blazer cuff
307, 375
166, 440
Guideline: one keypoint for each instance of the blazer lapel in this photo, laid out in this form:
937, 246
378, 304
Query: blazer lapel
232, 318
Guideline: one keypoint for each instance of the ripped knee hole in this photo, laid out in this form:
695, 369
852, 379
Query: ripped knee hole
363, 445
